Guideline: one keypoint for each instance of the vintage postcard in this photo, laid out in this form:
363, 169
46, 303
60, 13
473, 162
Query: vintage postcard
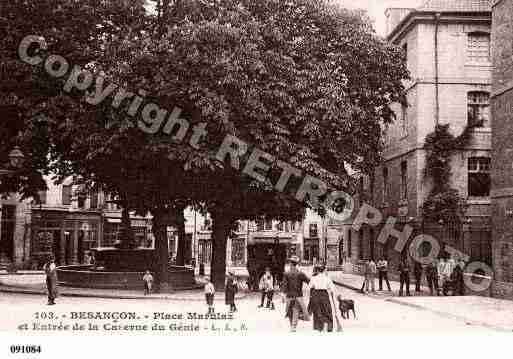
233, 167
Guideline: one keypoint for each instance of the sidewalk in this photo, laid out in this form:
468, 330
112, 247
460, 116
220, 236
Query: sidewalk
354, 282
496, 314
34, 283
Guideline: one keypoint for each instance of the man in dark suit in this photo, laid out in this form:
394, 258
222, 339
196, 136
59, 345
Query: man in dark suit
404, 276
292, 288
51, 280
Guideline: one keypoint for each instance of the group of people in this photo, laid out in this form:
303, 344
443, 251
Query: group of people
370, 269
231, 288
441, 275
322, 300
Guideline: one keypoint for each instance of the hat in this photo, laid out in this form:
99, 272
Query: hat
294, 259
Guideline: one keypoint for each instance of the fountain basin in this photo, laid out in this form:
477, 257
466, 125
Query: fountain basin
86, 276
117, 268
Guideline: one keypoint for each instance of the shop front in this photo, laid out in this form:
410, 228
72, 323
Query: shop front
67, 236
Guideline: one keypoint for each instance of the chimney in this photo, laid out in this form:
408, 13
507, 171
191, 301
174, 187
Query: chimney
395, 16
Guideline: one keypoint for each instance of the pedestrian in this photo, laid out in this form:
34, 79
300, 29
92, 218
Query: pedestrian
443, 275
230, 290
210, 291
365, 284
382, 267
458, 281
266, 286
404, 276
372, 275
369, 275
51, 280
417, 273
148, 282
321, 294
292, 287
432, 277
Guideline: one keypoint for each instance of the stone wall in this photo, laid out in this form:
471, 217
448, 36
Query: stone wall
502, 159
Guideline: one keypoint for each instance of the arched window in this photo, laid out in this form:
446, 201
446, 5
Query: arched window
478, 108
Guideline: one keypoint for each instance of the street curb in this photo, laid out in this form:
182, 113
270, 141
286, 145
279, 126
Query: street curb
17, 290
450, 315
346, 286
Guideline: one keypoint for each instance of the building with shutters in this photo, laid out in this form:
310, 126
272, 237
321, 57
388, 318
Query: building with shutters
447, 51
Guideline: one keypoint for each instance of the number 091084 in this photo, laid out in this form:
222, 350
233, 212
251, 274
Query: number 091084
25, 349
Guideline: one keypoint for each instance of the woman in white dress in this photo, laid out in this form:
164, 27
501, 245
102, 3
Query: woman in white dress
321, 296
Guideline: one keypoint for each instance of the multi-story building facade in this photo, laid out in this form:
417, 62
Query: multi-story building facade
502, 159
447, 49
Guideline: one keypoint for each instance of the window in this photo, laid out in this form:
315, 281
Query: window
292, 226
94, 200
268, 225
313, 230
260, 225
372, 187
479, 177
349, 244
81, 200
41, 197
280, 226
404, 180
478, 47
478, 106
360, 239
66, 195
385, 184
404, 120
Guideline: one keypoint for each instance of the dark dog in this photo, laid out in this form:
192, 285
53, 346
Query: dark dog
346, 305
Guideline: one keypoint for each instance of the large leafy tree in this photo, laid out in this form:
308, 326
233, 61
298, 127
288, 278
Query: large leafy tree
304, 81
83, 32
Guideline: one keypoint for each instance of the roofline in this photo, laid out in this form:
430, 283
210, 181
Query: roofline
417, 15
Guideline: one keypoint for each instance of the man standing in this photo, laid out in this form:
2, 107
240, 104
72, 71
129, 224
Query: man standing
383, 273
443, 274
372, 274
51, 280
432, 277
293, 281
404, 276
417, 272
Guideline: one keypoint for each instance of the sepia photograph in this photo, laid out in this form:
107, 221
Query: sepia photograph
327, 168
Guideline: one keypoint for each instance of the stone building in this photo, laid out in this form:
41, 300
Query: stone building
447, 49
502, 159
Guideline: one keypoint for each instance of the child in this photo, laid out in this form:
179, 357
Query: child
209, 295
267, 287
148, 282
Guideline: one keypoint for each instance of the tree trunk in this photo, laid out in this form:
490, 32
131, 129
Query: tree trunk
161, 248
180, 228
220, 231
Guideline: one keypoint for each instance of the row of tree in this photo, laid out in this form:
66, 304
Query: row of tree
304, 80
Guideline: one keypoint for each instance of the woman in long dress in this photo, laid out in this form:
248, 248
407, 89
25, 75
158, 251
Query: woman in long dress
321, 296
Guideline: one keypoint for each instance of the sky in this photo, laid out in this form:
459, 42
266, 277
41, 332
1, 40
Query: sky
376, 9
